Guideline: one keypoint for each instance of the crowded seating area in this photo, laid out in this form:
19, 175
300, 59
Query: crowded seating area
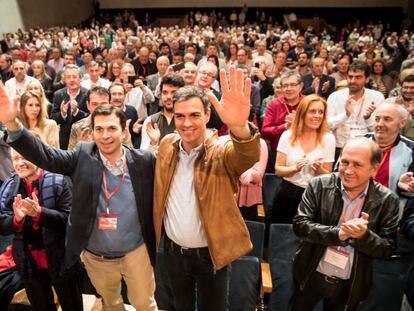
234, 161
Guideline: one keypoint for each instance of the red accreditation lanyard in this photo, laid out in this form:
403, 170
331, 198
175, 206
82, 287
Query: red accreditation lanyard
354, 210
108, 195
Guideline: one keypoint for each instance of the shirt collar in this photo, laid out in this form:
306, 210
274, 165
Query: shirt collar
359, 196
116, 169
77, 93
195, 150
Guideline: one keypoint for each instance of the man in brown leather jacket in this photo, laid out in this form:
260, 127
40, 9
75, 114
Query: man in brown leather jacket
195, 178
344, 220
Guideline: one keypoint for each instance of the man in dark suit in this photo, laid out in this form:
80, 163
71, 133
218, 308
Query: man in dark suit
316, 82
69, 104
111, 216
117, 99
143, 65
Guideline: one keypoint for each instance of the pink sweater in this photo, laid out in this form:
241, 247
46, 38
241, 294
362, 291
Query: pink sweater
250, 182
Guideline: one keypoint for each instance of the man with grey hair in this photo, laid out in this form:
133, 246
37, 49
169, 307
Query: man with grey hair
16, 85
194, 177
94, 79
189, 73
317, 82
261, 51
397, 162
153, 81
206, 80
69, 103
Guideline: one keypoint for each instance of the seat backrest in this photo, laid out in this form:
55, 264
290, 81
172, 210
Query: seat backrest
257, 234
243, 287
283, 244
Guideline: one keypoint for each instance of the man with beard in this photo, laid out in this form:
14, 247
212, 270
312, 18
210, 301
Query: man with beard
162, 123
350, 109
117, 99
407, 100
303, 64
294, 54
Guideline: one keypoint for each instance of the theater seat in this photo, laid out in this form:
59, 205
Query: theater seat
282, 247
244, 280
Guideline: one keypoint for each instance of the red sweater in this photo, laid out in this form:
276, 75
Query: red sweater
274, 120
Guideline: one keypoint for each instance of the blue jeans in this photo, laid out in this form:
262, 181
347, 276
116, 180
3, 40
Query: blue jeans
191, 271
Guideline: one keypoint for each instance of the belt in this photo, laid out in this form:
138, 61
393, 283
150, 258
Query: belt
331, 279
104, 257
172, 246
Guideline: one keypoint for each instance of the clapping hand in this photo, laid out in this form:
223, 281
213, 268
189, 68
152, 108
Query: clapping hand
154, 133
325, 86
369, 111
315, 84
406, 182
356, 227
289, 119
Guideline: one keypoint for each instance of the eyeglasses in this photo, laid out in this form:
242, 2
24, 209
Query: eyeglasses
289, 85
205, 73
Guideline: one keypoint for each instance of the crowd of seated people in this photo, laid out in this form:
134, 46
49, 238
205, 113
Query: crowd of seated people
311, 92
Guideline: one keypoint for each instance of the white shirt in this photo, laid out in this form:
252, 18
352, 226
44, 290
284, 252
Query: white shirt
11, 86
267, 56
145, 140
182, 220
139, 99
118, 168
345, 127
101, 82
324, 151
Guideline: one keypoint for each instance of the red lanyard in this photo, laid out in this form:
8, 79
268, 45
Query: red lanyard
361, 106
108, 195
354, 211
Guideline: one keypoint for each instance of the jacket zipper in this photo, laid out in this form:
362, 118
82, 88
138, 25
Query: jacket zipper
164, 199
196, 164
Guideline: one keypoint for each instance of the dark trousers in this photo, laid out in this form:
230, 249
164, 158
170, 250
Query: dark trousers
249, 212
286, 203
39, 292
334, 294
192, 275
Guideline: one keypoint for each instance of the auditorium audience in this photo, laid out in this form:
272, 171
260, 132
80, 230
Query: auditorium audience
342, 71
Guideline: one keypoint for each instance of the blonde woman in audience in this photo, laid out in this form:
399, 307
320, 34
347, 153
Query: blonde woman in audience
33, 116
40, 74
306, 150
36, 87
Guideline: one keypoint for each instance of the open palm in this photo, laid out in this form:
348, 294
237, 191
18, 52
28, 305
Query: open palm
234, 106
8, 109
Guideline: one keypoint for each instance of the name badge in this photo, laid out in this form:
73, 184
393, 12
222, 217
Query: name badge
107, 221
357, 131
336, 257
